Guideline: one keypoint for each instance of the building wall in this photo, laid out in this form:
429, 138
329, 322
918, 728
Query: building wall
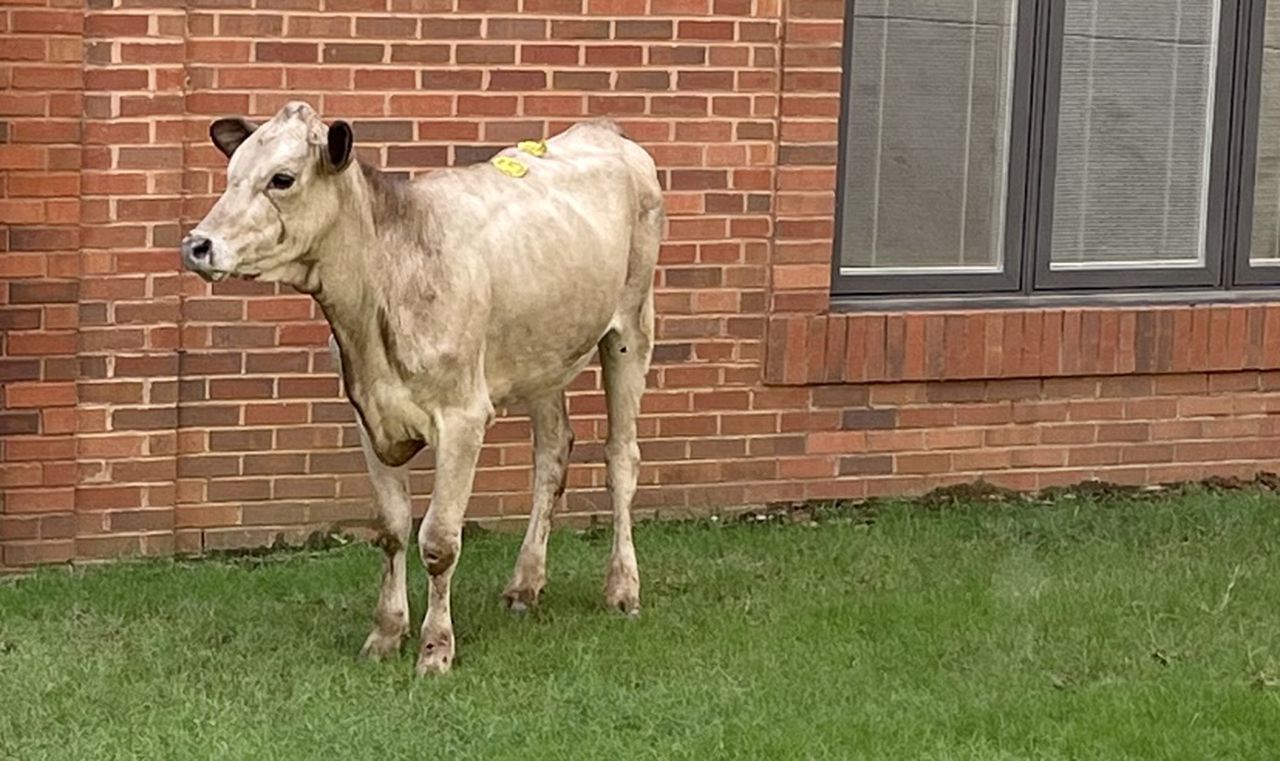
145, 411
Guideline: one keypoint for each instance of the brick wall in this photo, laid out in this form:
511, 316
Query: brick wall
40, 155
145, 411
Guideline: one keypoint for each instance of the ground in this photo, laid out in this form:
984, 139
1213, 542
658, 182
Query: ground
1081, 627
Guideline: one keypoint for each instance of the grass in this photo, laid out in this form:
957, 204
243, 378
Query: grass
1087, 627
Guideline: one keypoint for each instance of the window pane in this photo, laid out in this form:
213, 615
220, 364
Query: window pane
927, 147
1134, 133
1265, 250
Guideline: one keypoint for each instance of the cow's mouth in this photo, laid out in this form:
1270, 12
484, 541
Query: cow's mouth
209, 276
217, 276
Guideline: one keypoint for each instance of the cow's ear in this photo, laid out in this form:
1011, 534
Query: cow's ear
337, 151
227, 134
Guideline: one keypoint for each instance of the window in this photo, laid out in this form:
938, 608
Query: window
1032, 146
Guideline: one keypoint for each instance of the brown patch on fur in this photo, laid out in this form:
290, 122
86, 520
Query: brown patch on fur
389, 199
438, 550
443, 641
439, 558
388, 542
398, 215
398, 453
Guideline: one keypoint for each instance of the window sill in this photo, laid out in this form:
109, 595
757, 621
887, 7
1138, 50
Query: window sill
1061, 300
1031, 340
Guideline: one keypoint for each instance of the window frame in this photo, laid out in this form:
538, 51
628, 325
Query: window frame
1207, 275
1034, 104
1248, 117
1020, 113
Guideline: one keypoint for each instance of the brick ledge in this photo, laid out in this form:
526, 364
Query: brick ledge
1025, 343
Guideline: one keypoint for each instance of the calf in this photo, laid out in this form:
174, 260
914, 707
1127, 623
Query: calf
448, 295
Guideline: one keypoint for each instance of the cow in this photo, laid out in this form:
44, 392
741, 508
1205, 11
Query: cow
447, 296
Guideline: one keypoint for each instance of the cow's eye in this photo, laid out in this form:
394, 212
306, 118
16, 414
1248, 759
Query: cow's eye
281, 181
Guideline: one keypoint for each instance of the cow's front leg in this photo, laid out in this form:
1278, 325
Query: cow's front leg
391, 498
460, 433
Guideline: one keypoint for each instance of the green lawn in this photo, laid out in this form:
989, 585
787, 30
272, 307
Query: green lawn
1091, 627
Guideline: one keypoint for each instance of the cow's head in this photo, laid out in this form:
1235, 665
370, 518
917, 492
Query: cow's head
283, 192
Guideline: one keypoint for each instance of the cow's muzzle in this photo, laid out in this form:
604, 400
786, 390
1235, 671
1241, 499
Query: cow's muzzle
197, 256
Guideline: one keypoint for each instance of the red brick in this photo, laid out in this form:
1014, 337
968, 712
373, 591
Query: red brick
517, 80
836, 442
286, 52
984, 460
47, 21
550, 54
1191, 406
956, 438
239, 490
931, 463
21, 554
1092, 456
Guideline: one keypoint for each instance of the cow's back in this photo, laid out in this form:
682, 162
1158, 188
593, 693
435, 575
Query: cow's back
554, 248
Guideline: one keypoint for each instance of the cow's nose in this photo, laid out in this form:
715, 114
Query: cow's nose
197, 248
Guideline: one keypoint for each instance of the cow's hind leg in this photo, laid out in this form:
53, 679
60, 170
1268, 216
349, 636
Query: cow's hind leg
552, 442
460, 433
391, 497
624, 358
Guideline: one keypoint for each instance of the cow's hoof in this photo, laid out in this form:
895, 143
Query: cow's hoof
379, 646
521, 600
626, 604
436, 655
622, 590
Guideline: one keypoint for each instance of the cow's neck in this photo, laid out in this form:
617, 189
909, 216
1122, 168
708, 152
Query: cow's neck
350, 272
352, 262
345, 264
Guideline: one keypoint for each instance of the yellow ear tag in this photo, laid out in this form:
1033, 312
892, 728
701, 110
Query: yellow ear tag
509, 166
533, 147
